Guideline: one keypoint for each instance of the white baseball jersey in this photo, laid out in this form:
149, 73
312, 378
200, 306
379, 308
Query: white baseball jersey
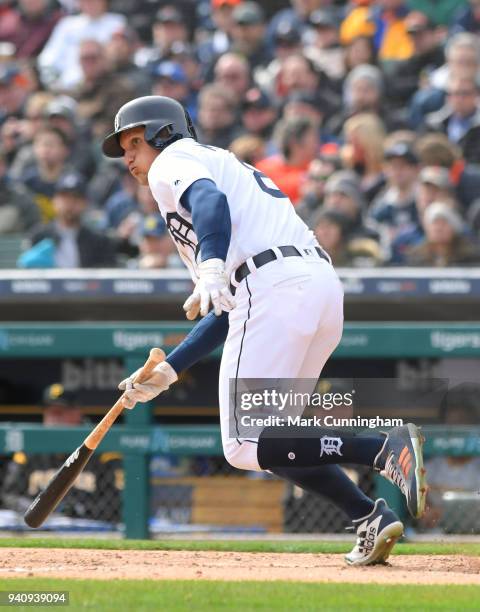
261, 215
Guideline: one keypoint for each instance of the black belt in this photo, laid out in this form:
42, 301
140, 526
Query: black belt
269, 255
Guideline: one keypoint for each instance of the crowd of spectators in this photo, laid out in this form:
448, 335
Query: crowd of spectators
366, 114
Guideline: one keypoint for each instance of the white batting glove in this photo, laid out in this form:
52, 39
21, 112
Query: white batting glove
162, 376
212, 287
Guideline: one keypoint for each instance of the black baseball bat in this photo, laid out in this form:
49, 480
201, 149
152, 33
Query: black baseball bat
48, 499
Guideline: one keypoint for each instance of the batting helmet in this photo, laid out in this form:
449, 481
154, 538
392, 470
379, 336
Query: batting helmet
154, 113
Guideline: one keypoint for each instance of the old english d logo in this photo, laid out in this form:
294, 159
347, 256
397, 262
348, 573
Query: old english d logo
181, 231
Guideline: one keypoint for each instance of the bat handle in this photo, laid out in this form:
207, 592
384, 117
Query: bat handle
96, 436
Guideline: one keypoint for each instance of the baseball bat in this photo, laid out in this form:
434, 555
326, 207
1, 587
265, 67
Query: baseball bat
48, 499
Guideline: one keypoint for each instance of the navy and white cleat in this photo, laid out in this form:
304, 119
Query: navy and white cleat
377, 534
401, 461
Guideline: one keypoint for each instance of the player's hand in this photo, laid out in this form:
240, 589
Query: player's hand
212, 288
162, 376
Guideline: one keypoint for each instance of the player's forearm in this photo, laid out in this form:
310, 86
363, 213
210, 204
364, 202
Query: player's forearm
209, 333
210, 218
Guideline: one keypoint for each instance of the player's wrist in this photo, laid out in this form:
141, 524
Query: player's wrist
166, 370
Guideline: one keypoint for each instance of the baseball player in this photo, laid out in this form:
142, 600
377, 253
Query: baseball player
266, 289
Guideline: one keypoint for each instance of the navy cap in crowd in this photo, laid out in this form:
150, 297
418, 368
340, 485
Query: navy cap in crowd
401, 150
169, 70
323, 18
7, 73
286, 34
57, 395
169, 14
248, 13
256, 98
154, 225
72, 182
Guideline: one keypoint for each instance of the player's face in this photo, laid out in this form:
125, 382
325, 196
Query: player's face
138, 154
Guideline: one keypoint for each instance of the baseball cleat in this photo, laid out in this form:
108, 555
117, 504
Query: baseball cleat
400, 461
377, 534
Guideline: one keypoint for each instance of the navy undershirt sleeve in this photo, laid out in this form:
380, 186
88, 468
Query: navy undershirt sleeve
207, 334
210, 218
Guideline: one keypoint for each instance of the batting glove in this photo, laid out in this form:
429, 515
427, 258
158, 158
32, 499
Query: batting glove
212, 287
162, 376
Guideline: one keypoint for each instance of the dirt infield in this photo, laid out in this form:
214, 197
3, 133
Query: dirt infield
211, 565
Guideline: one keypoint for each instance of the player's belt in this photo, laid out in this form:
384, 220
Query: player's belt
269, 255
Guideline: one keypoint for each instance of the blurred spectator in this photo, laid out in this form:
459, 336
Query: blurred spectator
313, 106
14, 90
445, 243
120, 51
217, 118
467, 19
258, 113
326, 50
157, 249
73, 244
437, 150
407, 75
101, 92
219, 40
360, 50
460, 117
18, 211
248, 148
51, 158
298, 143
248, 34
332, 230
232, 71
29, 26
363, 152
299, 74
26, 478
343, 195
313, 186
59, 61
385, 22
168, 28
170, 79
394, 209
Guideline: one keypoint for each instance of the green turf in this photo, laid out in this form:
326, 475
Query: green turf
310, 546
209, 596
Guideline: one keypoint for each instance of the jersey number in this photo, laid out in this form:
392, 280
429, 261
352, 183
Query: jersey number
261, 178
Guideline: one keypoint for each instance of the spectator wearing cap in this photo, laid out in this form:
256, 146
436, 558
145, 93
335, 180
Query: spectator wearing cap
29, 26
233, 72
14, 91
120, 52
360, 50
434, 185
170, 79
169, 27
217, 116
313, 106
435, 149
59, 61
18, 211
74, 244
312, 188
363, 152
219, 40
101, 92
332, 229
459, 119
298, 145
326, 50
286, 42
445, 243
51, 158
26, 476
394, 210
428, 55
385, 23
258, 114
248, 34
156, 248
343, 194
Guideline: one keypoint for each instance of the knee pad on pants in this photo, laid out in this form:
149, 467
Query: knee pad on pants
241, 454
